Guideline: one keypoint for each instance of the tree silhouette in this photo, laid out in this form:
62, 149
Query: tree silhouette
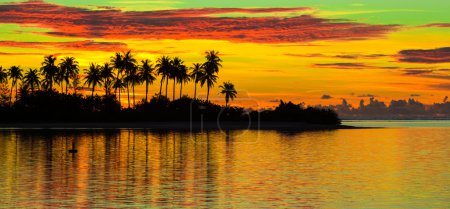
3, 75
69, 67
183, 77
211, 66
15, 74
129, 64
177, 64
147, 75
229, 91
163, 67
93, 77
196, 74
107, 76
132, 78
119, 85
31, 80
49, 70
117, 62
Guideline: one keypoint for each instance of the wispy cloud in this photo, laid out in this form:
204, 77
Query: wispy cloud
438, 55
73, 45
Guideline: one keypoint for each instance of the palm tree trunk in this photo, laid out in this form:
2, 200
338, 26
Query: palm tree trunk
16, 92
181, 89
207, 95
195, 90
67, 84
167, 83
128, 92
134, 101
160, 87
62, 87
10, 95
146, 91
93, 88
173, 90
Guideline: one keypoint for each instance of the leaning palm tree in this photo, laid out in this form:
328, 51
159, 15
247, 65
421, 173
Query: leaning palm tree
209, 78
129, 65
93, 77
183, 77
49, 70
177, 65
196, 74
3, 75
107, 77
211, 66
147, 75
163, 66
15, 74
229, 91
31, 80
70, 68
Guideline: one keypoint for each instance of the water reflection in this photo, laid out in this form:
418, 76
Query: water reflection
140, 168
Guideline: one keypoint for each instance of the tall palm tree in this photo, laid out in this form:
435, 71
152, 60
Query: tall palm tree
49, 70
132, 79
70, 68
118, 84
31, 79
107, 77
229, 91
147, 75
177, 64
183, 77
93, 76
15, 74
59, 77
117, 62
129, 65
3, 75
163, 65
210, 79
211, 66
196, 74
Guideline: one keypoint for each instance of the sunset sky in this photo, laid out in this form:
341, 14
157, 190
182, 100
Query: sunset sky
316, 52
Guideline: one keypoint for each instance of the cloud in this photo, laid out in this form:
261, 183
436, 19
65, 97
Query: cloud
352, 65
73, 45
441, 86
415, 95
186, 24
367, 95
437, 25
326, 96
439, 55
416, 72
341, 56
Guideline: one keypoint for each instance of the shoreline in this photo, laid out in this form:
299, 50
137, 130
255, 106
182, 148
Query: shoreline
178, 126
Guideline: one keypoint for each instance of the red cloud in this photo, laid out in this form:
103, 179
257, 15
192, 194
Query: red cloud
438, 55
74, 45
185, 24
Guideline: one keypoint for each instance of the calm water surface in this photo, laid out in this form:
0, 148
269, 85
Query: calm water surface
366, 168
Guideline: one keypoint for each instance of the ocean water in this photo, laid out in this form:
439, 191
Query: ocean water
396, 167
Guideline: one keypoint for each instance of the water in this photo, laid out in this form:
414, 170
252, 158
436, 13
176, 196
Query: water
364, 168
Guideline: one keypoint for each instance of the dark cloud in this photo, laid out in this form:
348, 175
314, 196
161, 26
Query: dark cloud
438, 25
73, 45
438, 55
441, 86
367, 95
415, 95
186, 24
326, 96
343, 56
352, 65
416, 72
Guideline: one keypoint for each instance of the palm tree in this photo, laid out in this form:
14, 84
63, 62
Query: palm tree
59, 78
93, 77
129, 64
118, 64
15, 73
107, 77
146, 74
3, 75
49, 70
229, 91
196, 74
163, 65
183, 77
118, 85
177, 64
211, 66
70, 68
132, 78
209, 78
31, 80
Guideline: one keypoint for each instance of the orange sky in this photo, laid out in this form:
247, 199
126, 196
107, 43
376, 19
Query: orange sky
304, 52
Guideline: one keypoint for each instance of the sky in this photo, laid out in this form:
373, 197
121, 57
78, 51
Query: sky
316, 52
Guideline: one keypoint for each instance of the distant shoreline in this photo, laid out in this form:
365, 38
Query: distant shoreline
178, 126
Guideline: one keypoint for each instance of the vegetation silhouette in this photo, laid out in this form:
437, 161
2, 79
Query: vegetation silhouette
37, 100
